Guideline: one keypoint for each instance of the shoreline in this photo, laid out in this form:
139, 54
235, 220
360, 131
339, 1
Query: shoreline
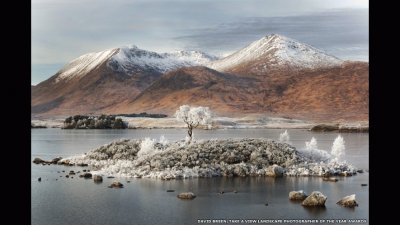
226, 123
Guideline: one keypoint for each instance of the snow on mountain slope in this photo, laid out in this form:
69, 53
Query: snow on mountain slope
132, 58
276, 50
84, 64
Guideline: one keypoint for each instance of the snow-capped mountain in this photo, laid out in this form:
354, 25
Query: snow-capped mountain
274, 75
131, 59
274, 51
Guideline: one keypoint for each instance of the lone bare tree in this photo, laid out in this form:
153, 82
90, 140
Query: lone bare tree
193, 117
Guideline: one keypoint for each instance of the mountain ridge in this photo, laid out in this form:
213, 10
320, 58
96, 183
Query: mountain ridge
258, 78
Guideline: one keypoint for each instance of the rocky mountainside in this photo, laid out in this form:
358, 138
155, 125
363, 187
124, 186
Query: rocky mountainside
275, 76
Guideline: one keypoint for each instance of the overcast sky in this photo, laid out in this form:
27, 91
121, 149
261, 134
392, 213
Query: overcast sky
65, 29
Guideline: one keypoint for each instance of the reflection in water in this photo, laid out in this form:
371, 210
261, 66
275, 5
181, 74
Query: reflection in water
146, 201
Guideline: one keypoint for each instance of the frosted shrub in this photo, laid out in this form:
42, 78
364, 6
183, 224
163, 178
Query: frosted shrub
163, 140
338, 148
284, 137
146, 147
312, 144
312, 151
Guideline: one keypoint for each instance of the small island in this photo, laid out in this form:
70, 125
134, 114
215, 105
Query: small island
94, 122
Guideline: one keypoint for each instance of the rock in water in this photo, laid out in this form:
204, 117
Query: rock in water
186, 195
97, 178
274, 171
332, 179
297, 195
55, 160
316, 198
116, 184
87, 175
38, 160
348, 201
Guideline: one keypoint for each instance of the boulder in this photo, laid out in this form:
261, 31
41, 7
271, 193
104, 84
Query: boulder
38, 160
316, 198
116, 184
348, 201
297, 195
186, 195
87, 175
274, 171
97, 178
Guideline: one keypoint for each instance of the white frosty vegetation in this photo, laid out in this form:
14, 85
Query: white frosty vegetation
193, 117
206, 158
311, 151
284, 137
338, 148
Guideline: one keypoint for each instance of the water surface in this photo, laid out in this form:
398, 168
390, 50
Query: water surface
60, 200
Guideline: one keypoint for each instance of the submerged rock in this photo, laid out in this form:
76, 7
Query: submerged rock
331, 179
297, 195
186, 195
316, 198
348, 201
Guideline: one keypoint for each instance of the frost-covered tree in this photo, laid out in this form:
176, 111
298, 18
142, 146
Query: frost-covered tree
338, 148
193, 117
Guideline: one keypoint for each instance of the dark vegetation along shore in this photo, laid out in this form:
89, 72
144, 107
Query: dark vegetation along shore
340, 128
94, 122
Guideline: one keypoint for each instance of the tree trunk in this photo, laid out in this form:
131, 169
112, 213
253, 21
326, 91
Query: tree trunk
190, 132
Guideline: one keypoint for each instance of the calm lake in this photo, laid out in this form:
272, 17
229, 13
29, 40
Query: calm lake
58, 200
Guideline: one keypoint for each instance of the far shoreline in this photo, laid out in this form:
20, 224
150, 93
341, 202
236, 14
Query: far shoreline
222, 123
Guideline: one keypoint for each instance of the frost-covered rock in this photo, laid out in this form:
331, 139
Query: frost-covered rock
274, 171
348, 201
186, 195
316, 198
297, 195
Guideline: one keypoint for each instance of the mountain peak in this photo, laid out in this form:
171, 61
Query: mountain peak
273, 51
